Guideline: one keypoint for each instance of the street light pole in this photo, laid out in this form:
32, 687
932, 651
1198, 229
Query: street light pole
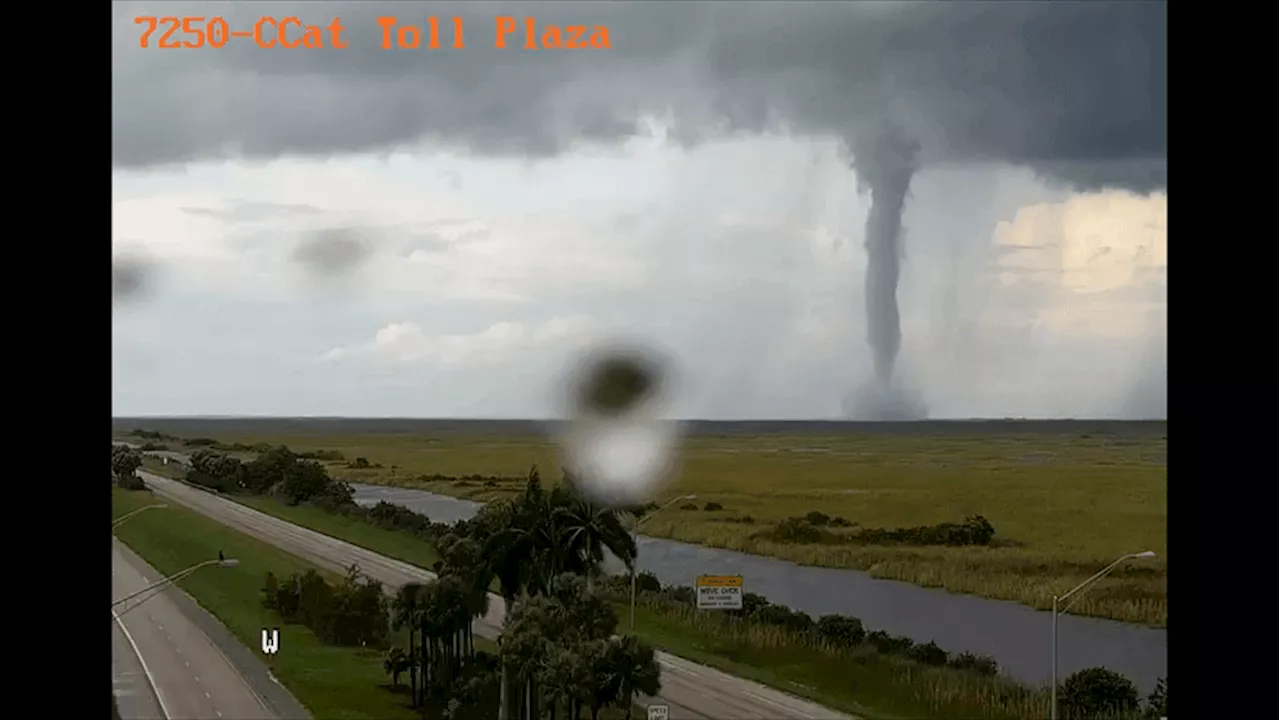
1057, 600
636, 543
221, 562
118, 521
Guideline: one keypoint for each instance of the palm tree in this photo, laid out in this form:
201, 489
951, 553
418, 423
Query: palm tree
634, 668
587, 529
396, 662
407, 612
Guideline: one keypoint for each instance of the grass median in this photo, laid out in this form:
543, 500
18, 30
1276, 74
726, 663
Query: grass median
331, 682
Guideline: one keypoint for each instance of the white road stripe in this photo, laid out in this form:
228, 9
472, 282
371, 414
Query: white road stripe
164, 710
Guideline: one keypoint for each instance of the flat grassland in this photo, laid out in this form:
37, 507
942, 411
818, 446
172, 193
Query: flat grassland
1065, 497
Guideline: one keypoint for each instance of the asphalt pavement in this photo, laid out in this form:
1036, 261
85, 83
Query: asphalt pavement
166, 665
690, 691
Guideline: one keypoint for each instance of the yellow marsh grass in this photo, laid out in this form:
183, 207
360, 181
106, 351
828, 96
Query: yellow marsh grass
1063, 505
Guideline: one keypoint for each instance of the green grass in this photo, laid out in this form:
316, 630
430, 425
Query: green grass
1063, 505
393, 544
331, 682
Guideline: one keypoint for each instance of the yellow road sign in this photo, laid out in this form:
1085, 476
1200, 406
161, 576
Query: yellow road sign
719, 581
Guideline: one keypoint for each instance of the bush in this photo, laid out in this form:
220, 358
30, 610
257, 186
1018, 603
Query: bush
354, 613
1096, 693
889, 644
1158, 701
810, 529
980, 664
130, 482
712, 507
647, 582
797, 531
841, 631
689, 506
817, 519
928, 654
975, 530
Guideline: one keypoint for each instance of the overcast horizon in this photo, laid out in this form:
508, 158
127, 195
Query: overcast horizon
442, 234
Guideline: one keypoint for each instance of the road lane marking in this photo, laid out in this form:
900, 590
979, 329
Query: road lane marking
208, 696
164, 710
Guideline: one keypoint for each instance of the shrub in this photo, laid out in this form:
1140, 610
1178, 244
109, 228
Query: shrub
354, 613
981, 664
1096, 693
817, 519
841, 631
712, 506
647, 582
928, 654
889, 644
683, 594
689, 506
1158, 701
975, 530
797, 531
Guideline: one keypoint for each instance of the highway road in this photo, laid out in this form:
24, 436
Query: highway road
691, 691
164, 665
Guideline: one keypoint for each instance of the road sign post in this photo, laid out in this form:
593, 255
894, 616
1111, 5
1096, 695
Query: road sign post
719, 592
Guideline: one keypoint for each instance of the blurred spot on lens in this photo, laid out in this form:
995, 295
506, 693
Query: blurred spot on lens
617, 444
131, 279
617, 384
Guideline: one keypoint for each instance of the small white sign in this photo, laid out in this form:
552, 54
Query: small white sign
270, 643
657, 712
719, 592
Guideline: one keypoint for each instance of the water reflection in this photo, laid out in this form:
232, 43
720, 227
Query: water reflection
1016, 636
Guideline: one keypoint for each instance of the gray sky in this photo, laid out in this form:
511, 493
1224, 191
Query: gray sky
442, 232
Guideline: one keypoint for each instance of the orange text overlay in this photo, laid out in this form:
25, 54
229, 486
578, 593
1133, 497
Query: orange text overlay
433, 33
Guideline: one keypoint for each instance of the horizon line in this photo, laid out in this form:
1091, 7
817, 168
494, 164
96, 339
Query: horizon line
562, 419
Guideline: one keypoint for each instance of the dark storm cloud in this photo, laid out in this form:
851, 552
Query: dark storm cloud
1074, 90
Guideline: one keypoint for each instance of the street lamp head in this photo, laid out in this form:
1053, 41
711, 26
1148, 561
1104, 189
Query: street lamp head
228, 562
1144, 554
